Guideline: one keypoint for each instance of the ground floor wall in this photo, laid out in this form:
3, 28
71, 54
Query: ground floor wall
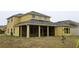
9, 31
39, 31
16, 33
59, 31
75, 31
12, 31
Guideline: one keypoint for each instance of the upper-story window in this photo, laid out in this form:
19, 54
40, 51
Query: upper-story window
67, 30
11, 19
33, 16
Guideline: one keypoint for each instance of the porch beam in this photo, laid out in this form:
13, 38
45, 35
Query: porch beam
20, 31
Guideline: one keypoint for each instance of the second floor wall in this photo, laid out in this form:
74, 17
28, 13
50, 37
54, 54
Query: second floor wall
15, 20
36, 17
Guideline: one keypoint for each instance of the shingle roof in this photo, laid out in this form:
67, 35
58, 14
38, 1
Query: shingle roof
20, 14
32, 12
38, 22
68, 22
61, 24
37, 13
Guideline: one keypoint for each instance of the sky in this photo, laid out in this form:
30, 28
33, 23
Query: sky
55, 15
59, 10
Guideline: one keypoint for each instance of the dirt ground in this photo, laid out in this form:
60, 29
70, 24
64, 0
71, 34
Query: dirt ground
35, 42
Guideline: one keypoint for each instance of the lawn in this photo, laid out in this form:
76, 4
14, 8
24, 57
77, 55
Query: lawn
35, 42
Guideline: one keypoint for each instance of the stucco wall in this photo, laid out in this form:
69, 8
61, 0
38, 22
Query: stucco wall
26, 18
59, 31
10, 25
16, 31
75, 31
42, 18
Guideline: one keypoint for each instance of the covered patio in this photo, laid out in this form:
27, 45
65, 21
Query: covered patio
36, 31
36, 28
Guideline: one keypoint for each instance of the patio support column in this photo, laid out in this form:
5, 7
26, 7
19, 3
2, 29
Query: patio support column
47, 30
28, 31
39, 31
20, 31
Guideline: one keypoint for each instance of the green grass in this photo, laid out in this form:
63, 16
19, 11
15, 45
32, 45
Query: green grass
35, 42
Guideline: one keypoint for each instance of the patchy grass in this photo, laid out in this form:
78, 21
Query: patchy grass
35, 42
77, 42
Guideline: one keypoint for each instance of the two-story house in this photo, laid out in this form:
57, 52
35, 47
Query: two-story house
34, 24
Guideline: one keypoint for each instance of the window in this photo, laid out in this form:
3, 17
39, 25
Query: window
33, 16
67, 30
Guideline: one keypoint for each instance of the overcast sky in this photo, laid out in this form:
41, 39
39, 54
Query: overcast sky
58, 9
55, 15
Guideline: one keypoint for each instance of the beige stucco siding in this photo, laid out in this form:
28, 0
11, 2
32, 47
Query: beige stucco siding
10, 24
16, 20
16, 31
42, 18
59, 31
26, 18
75, 31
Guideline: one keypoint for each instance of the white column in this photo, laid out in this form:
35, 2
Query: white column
20, 31
47, 30
28, 31
39, 31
